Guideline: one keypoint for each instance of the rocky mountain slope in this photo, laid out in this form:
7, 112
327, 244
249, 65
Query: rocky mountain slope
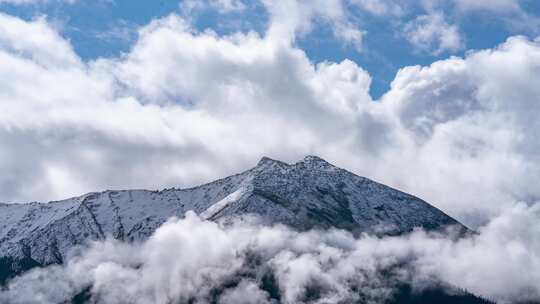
308, 194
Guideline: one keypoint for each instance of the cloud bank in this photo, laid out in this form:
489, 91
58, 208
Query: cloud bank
195, 260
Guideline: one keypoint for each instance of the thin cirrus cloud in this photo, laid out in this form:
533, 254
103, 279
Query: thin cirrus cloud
223, 6
494, 5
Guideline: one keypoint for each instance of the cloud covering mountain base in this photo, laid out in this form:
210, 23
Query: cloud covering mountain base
192, 259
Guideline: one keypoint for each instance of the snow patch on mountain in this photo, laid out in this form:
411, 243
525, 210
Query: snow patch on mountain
214, 210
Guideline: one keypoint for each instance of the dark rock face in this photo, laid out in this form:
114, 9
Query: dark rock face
11, 267
437, 295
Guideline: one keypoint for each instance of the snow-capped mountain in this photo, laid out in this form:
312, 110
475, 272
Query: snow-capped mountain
308, 194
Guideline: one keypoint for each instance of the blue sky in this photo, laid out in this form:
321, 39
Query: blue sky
106, 28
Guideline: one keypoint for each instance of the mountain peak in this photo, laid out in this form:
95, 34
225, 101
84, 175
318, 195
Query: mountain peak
267, 161
308, 194
313, 161
309, 162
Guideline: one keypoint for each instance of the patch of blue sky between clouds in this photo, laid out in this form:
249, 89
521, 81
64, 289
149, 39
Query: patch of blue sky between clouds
107, 28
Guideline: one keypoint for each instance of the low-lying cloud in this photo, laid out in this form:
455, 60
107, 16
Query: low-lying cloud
192, 259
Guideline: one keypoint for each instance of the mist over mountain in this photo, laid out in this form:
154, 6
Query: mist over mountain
308, 194
307, 232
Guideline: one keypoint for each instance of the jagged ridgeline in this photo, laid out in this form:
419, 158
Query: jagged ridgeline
308, 194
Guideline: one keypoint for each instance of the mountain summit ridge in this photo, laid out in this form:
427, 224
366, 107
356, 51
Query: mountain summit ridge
310, 193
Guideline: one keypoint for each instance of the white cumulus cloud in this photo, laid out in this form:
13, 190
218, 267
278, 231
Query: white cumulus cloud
184, 107
432, 33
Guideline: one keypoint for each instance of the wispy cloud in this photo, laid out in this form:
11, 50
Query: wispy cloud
431, 33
